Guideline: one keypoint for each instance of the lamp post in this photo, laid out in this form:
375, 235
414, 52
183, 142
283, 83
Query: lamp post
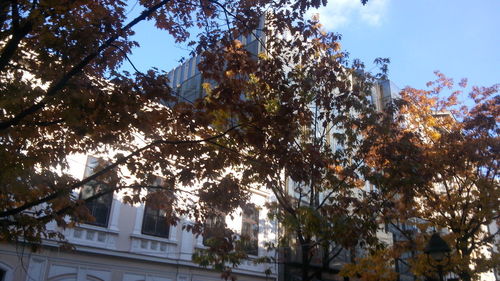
437, 249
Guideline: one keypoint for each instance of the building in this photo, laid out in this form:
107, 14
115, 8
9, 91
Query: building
132, 243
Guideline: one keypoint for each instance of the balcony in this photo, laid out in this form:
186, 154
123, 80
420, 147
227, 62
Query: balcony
93, 236
154, 246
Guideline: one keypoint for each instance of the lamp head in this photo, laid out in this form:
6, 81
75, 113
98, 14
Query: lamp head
437, 248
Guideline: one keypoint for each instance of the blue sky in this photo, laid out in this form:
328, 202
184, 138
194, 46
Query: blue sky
461, 38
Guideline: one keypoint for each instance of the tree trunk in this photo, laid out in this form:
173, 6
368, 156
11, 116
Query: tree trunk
465, 276
325, 260
305, 261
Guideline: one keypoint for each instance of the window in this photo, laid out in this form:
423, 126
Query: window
155, 217
250, 229
99, 207
155, 221
214, 227
5, 272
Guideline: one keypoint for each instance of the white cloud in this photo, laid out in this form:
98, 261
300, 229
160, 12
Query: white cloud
340, 13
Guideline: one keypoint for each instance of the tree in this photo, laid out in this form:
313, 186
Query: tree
310, 117
437, 165
62, 92
375, 266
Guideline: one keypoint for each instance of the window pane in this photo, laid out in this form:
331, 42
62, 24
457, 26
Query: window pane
87, 191
214, 227
150, 212
153, 223
102, 214
99, 207
162, 213
162, 228
250, 229
148, 225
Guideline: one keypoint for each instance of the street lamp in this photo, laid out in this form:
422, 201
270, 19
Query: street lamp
437, 249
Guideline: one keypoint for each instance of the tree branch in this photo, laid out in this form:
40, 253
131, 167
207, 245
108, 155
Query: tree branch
118, 162
11, 46
61, 83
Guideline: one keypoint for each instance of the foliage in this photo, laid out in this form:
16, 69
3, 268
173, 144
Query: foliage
376, 266
437, 164
223, 253
271, 120
308, 111
62, 92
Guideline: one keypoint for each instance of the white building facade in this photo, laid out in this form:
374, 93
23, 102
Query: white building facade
133, 243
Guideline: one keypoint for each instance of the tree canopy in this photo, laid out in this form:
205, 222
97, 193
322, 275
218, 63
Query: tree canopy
305, 145
436, 164
295, 119
63, 92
